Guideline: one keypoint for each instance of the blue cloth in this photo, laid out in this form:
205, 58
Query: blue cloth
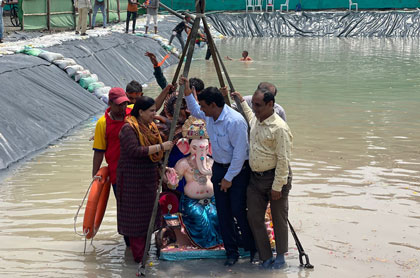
200, 219
95, 11
1, 23
228, 136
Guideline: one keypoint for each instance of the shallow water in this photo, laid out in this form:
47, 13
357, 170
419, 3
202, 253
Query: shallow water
353, 108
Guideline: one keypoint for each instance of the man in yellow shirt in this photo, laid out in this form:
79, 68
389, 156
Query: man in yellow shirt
269, 158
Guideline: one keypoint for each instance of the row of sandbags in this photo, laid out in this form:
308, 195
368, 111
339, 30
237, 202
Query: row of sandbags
81, 75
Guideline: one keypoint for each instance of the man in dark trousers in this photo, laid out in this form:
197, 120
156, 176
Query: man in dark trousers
177, 31
228, 134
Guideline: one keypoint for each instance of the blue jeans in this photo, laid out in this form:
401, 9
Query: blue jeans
1, 23
95, 11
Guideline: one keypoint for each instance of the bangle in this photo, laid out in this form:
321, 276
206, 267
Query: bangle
161, 146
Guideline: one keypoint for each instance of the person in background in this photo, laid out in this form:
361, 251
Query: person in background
152, 7
299, 6
133, 91
177, 31
83, 7
227, 130
272, 89
244, 57
271, 179
99, 5
132, 8
3, 2
138, 173
196, 84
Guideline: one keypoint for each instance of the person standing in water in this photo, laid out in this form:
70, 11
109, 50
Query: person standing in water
244, 57
177, 31
271, 180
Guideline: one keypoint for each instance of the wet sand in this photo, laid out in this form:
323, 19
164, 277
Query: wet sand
352, 106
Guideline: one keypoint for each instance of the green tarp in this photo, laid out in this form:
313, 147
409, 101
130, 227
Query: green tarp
63, 20
35, 12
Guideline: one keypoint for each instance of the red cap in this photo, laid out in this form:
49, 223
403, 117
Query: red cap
118, 96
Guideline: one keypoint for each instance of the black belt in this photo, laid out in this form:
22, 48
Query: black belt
271, 171
227, 165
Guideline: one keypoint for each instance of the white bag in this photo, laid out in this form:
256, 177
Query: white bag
50, 56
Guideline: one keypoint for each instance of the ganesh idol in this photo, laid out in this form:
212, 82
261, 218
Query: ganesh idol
197, 203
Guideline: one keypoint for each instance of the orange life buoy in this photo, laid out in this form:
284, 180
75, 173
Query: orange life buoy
96, 204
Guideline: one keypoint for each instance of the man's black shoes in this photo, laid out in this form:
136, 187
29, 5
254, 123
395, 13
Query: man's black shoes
230, 261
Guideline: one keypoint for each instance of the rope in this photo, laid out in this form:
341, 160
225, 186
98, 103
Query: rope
81, 205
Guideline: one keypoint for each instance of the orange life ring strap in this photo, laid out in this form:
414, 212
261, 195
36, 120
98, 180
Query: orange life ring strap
96, 204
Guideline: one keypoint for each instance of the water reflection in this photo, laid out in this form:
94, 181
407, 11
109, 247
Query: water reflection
352, 105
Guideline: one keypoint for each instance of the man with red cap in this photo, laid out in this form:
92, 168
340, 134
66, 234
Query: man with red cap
106, 141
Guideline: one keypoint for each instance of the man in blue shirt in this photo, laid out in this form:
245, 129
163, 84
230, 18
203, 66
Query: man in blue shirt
228, 132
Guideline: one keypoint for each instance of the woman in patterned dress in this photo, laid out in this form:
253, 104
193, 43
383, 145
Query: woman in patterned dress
138, 174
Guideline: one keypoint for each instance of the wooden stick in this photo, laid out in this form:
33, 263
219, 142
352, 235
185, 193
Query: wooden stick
232, 89
181, 60
48, 15
118, 11
142, 267
212, 48
107, 11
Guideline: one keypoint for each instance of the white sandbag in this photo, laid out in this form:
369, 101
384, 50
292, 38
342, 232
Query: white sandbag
64, 63
105, 98
100, 92
81, 74
95, 85
71, 70
51, 56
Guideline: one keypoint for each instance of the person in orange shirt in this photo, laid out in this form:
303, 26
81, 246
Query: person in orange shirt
132, 12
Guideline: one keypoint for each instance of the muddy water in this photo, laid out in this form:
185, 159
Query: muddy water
353, 107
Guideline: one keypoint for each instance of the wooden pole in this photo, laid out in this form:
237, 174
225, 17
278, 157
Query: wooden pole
232, 89
141, 270
107, 11
74, 17
118, 11
171, 11
200, 10
90, 16
23, 16
212, 48
49, 15
181, 60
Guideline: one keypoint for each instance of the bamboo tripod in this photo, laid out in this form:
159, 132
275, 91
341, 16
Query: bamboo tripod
186, 52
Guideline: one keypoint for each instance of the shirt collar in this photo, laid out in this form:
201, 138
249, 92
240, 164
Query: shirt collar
222, 115
269, 120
